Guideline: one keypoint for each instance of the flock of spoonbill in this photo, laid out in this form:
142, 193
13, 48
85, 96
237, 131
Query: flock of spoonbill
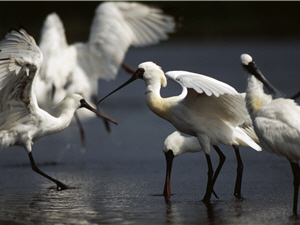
214, 113
208, 111
67, 74
76, 68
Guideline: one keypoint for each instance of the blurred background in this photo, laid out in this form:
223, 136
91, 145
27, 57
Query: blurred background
203, 20
121, 174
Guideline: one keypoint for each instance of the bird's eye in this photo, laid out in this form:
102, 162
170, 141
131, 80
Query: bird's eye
140, 73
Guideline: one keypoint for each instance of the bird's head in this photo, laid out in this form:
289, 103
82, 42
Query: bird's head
153, 73
77, 101
148, 71
173, 144
250, 66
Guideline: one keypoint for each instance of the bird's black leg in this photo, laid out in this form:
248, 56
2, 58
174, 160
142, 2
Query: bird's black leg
296, 173
169, 161
209, 186
222, 159
239, 173
106, 123
60, 185
81, 130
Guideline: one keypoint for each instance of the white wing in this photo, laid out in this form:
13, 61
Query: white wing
277, 125
201, 83
53, 37
211, 97
52, 43
117, 26
59, 58
20, 61
278, 137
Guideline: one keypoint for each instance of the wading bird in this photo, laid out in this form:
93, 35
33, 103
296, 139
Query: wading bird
21, 120
207, 108
276, 120
176, 144
76, 68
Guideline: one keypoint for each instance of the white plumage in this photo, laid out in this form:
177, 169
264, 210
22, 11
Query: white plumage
276, 120
21, 120
116, 26
197, 111
179, 144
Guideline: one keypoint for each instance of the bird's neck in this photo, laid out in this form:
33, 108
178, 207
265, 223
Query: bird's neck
255, 96
62, 121
160, 106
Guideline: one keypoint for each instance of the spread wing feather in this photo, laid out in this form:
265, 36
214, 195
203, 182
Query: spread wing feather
119, 25
201, 83
20, 59
215, 95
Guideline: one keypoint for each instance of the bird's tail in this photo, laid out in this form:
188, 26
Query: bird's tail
242, 138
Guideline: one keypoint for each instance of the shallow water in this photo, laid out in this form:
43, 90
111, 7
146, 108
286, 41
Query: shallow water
119, 178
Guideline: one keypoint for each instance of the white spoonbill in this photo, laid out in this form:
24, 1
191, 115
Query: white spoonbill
207, 108
276, 120
21, 120
175, 145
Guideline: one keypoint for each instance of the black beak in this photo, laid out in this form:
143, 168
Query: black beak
138, 74
87, 106
253, 69
169, 161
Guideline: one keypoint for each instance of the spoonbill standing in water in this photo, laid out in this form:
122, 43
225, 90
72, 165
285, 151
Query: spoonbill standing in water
276, 120
176, 144
21, 120
76, 68
207, 108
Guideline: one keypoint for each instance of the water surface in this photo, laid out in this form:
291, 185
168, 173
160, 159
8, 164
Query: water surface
119, 178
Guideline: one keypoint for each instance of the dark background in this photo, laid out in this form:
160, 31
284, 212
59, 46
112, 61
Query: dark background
205, 20
119, 178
